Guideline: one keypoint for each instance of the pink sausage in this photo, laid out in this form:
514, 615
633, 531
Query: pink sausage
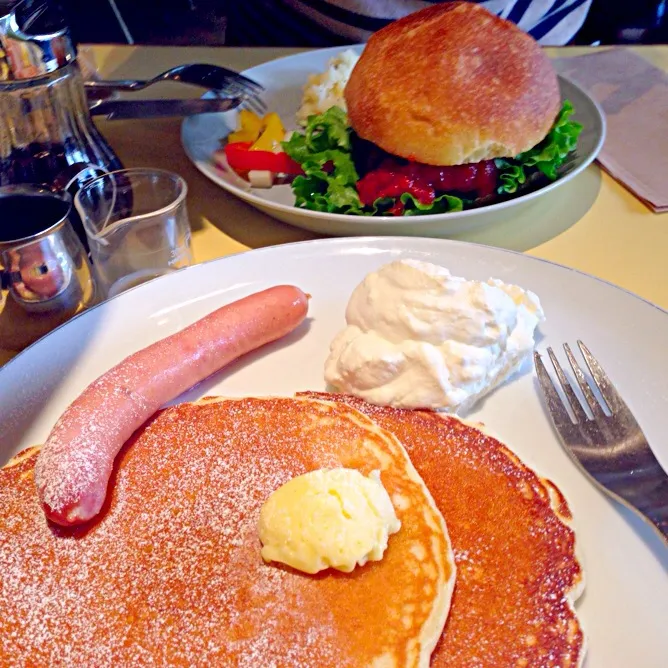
74, 466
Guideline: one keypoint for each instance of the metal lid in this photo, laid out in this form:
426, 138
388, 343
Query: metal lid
35, 39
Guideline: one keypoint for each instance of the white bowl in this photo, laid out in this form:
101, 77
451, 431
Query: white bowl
284, 80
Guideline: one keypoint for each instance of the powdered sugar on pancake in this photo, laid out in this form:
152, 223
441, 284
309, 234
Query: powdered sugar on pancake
172, 573
518, 573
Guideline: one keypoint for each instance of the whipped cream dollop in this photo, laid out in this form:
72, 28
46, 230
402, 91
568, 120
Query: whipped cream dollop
419, 337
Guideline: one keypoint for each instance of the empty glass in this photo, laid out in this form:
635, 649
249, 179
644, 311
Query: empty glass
137, 226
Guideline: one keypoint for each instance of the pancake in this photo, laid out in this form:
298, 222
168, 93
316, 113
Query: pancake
171, 573
517, 571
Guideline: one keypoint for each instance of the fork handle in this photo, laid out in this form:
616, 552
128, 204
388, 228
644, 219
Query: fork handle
655, 507
115, 84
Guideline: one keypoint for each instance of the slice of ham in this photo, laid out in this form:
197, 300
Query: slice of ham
74, 466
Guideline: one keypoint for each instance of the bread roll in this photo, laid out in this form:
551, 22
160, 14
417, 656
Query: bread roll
453, 84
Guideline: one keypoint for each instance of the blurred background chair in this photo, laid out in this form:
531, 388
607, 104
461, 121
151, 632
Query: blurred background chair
625, 22
261, 23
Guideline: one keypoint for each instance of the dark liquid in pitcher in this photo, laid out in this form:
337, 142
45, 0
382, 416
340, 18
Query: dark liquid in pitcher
45, 164
23, 216
53, 164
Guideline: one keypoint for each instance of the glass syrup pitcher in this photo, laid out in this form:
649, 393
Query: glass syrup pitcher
45, 127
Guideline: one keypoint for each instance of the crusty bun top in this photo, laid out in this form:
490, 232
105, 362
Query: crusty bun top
452, 84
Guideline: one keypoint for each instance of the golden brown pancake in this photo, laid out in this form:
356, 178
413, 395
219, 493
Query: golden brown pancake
517, 572
171, 573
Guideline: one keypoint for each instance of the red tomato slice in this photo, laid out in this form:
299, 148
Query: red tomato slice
241, 159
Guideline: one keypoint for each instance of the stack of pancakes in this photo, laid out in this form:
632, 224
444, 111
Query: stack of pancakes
171, 573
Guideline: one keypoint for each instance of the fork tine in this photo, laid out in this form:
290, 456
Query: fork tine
234, 87
242, 79
555, 405
250, 100
231, 88
244, 85
584, 385
259, 103
224, 76
578, 410
607, 389
256, 105
251, 85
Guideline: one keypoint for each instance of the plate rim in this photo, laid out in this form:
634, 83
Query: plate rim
335, 241
209, 171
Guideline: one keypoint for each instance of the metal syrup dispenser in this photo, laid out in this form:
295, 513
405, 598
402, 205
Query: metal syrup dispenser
45, 126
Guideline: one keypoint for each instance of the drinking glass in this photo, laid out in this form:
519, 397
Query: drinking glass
137, 226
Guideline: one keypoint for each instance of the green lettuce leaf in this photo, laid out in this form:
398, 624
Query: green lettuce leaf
325, 142
546, 157
413, 207
441, 204
511, 175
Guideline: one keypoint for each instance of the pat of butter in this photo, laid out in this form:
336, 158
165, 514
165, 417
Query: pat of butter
334, 518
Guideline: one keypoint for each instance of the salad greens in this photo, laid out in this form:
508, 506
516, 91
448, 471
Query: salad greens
324, 152
441, 204
547, 156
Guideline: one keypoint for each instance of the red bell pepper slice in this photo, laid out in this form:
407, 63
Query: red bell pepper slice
242, 159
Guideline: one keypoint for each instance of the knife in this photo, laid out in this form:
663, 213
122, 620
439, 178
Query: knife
123, 109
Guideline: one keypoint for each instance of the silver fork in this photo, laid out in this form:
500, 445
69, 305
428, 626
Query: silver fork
224, 82
610, 446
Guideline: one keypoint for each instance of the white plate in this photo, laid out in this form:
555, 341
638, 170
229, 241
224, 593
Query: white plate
625, 606
284, 80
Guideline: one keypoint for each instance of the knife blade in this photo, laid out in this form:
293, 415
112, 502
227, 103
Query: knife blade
125, 109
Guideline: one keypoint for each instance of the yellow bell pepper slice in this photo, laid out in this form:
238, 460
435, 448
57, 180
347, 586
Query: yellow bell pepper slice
249, 129
272, 134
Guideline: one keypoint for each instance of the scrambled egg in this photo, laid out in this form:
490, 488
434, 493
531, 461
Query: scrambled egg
325, 90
